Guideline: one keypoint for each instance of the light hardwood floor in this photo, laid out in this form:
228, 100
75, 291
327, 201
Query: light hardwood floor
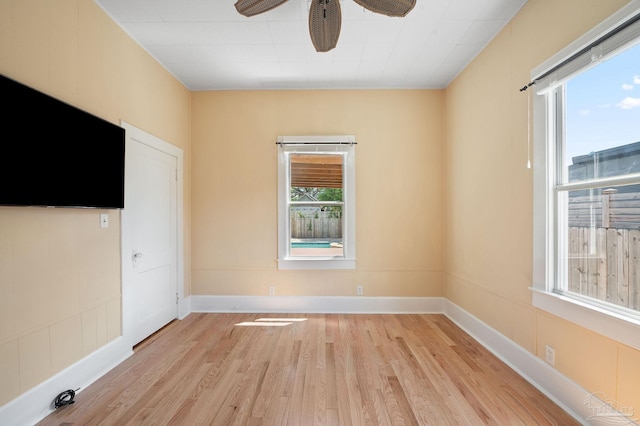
326, 370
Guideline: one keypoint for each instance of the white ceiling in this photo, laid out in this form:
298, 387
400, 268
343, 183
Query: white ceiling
208, 45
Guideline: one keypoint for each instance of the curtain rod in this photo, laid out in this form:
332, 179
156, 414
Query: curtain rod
316, 143
584, 50
316, 140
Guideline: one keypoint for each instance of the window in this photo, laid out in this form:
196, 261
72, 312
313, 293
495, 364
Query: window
316, 202
587, 180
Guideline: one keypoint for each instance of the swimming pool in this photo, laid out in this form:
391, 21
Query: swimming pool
310, 244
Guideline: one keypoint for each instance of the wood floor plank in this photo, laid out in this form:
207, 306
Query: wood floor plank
334, 369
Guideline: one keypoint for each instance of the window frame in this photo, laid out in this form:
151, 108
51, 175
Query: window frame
547, 129
343, 145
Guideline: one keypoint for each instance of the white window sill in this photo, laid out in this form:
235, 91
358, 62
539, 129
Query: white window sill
623, 329
316, 263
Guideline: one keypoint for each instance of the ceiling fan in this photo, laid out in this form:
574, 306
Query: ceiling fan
325, 17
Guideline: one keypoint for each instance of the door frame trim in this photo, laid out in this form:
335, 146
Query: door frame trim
132, 132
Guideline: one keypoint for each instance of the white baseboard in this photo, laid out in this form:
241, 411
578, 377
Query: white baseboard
317, 304
35, 404
574, 399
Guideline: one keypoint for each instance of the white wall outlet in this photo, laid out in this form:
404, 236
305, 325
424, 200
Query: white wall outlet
272, 291
104, 220
359, 290
550, 355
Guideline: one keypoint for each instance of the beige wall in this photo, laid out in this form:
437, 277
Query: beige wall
422, 156
59, 271
489, 198
399, 220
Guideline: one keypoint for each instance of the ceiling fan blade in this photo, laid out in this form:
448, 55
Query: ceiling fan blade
255, 7
325, 21
388, 7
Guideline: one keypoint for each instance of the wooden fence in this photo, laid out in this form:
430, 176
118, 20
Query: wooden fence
604, 263
318, 224
604, 246
609, 210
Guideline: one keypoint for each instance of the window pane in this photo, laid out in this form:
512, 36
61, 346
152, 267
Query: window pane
600, 257
316, 230
316, 177
316, 203
602, 135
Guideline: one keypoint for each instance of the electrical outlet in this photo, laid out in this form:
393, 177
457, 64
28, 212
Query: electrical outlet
550, 355
359, 290
272, 291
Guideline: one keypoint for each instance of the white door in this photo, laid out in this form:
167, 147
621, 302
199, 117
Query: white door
149, 239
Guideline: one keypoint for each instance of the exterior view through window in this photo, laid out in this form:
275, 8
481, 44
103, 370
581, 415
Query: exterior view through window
597, 189
316, 204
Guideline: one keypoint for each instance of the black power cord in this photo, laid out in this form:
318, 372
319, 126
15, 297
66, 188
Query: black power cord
64, 398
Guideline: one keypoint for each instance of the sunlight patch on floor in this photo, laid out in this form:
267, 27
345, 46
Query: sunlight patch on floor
282, 319
264, 324
271, 322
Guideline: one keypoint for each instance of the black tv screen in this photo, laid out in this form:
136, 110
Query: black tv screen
57, 155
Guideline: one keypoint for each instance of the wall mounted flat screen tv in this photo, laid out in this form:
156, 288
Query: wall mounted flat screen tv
54, 154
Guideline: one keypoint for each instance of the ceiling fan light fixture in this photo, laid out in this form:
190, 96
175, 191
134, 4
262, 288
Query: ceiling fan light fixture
325, 21
398, 8
255, 7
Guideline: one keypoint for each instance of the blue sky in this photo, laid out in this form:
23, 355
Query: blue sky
603, 105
